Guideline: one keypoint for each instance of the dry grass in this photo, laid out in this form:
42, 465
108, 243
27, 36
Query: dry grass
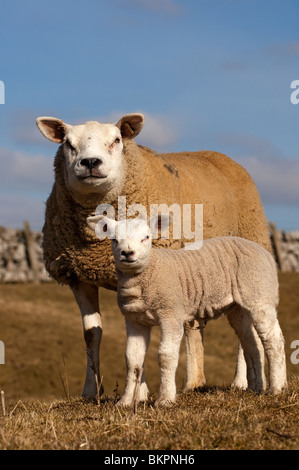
45, 361
212, 418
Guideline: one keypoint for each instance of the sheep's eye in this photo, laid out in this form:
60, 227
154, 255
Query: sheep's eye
146, 238
116, 141
70, 146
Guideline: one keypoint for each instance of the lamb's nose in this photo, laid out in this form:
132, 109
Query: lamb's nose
91, 162
127, 254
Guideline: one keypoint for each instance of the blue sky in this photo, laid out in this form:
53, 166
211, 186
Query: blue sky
207, 74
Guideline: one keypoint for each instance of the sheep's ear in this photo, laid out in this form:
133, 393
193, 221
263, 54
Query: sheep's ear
130, 125
52, 128
160, 223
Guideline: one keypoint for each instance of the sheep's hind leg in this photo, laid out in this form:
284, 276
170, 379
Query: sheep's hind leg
267, 325
194, 355
87, 298
252, 348
240, 378
138, 337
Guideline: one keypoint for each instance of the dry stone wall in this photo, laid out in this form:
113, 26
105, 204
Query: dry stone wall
21, 258
286, 248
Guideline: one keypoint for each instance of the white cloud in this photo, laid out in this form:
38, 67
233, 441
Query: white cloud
276, 176
16, 208
159, 131
25, 172
277, 180
24, 130
26, 180
20, 171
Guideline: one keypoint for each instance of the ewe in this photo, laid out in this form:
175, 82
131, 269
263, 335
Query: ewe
228, 275
95, 164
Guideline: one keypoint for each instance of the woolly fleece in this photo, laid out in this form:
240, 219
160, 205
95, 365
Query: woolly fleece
231, 206
202, 283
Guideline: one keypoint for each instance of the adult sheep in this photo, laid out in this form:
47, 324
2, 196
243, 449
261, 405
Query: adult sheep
95, 164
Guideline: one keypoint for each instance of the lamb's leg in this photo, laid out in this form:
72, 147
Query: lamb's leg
194, 355
266, 324
138, 337
253, 352
168, 355
87, 298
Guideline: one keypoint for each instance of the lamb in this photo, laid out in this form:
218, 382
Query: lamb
95, 164
228, 275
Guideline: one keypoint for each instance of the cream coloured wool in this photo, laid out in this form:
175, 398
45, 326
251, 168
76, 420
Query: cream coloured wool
95, 163
228, 275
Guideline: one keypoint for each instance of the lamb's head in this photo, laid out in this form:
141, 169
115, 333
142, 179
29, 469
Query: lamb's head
131, 239
93, 151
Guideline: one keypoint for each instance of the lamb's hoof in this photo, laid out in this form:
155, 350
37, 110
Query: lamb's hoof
276, 390
125, 402
193, 385
164, 403
143, 392
240, 384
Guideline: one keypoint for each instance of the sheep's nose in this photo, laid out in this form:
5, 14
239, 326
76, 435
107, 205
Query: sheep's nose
91, 163
127, 254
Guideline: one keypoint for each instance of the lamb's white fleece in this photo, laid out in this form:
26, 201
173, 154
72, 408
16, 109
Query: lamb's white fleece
228, 275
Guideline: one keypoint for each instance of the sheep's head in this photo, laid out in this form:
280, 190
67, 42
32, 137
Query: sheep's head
131, 239
93, 151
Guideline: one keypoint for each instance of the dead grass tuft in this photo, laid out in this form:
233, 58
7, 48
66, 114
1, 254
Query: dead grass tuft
209, 418
44, 374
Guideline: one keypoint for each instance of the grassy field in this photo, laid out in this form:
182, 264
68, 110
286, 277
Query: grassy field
45, 367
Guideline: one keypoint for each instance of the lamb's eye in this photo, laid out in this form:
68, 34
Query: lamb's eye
146, 238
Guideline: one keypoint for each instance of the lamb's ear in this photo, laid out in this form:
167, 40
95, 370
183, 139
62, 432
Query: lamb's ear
93, 220
52, 128
102, 225
130, 125
160, 223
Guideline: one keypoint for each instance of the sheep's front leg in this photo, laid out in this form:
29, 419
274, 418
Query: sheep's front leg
138, 337
194, 355
168, 354
87, 299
